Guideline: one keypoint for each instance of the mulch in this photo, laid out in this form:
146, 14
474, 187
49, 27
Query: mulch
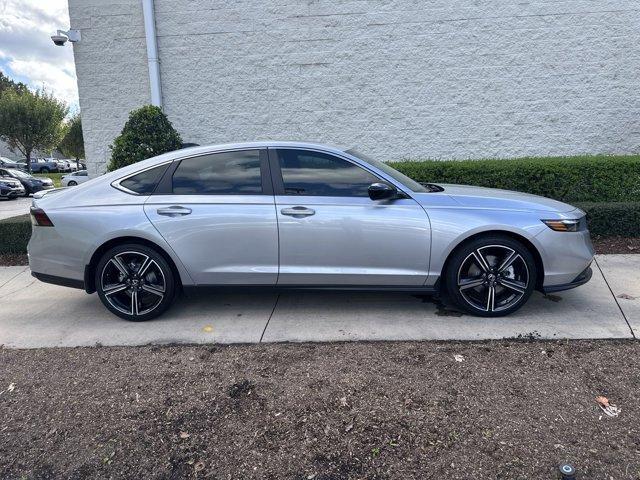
388, 410
13, 259
616, 244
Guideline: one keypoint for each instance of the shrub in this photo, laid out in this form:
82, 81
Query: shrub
599, 178
15, 233
613, 218
147, 133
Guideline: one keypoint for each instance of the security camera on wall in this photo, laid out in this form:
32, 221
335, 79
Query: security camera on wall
61, 37
59, 40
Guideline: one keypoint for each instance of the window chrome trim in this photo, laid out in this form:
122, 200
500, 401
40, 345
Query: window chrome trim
116, 183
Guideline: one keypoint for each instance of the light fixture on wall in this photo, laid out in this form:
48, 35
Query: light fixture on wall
61, 37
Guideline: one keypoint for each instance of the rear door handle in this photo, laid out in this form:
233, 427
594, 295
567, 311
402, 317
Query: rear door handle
298, 212
174, 211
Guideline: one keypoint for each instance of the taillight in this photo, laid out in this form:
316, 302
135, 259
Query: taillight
39, 218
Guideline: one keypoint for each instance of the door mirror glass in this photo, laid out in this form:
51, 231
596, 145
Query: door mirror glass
382, 191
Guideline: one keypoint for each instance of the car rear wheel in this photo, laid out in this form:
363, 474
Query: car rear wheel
491, 276
72, 183
135, 282
44, 170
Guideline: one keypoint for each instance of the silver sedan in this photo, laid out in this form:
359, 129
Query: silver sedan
300, 215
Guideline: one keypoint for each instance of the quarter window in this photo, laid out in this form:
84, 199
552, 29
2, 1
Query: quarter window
226, 173
313, 173
145, 182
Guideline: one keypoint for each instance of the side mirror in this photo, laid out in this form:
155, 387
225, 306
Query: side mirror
382, 191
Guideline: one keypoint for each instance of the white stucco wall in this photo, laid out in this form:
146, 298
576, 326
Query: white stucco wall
397, 79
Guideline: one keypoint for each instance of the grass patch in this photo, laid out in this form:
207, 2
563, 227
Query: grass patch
53, 176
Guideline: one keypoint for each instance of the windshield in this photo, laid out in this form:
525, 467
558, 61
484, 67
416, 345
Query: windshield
18, 173
392, 172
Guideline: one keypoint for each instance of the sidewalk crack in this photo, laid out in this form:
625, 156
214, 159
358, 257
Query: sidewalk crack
269, 319
615, 299
16, 275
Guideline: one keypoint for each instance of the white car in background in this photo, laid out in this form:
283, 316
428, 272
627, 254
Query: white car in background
74, 178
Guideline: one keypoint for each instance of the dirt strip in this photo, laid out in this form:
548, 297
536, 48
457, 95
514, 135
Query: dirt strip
406, 410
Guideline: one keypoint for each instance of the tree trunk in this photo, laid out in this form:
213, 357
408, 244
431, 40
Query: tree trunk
28, 155
77, 164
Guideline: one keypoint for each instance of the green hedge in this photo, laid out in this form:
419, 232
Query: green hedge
14, 234
599, 178
613, 218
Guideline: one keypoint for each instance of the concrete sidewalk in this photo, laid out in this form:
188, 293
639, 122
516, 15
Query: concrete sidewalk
34, 314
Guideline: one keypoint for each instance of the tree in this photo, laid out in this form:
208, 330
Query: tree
31, 121
147, 133
7, 83
72, 144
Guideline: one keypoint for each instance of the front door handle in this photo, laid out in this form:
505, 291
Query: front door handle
298, 212
174, 211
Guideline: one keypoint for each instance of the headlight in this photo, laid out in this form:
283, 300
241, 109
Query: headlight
564, 225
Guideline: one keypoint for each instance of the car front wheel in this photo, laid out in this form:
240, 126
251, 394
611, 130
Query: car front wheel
135, 282
491, 276
72, 183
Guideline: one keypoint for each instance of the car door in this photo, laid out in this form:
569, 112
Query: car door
332, 233
217, 212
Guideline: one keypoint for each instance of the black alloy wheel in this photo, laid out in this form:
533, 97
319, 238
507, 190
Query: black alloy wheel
135, 282
491, 276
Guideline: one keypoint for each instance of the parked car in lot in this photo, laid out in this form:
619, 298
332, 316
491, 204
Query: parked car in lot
74, 178
45, 165
30, 183
10, 187
8, 163
300, 215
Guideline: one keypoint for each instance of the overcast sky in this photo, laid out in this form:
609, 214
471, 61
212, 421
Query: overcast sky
27, 53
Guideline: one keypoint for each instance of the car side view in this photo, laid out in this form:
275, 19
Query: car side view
300, 215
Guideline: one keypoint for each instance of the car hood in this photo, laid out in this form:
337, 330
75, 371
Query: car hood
493, 198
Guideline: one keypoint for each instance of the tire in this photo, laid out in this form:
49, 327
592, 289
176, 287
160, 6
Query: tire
117, 281
491, 276
72, 184
43, 170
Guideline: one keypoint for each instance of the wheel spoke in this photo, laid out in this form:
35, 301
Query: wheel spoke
514, 285
120, 265
512, 257
154, 290
491, 298
114, 289
481, 261
144, 266
470, 283
134, 302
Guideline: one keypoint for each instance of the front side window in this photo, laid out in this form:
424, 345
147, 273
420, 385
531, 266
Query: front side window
81, 174
225, 173
319, 174
144, 183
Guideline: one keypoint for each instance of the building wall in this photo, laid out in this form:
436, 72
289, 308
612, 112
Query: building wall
398, 79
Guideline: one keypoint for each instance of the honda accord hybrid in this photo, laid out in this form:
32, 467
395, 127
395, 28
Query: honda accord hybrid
300, 215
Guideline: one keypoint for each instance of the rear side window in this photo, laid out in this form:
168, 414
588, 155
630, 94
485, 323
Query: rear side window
225, 173
144, 183
319, 174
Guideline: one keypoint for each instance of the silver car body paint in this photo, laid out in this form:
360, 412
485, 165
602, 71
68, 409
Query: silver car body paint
354, 241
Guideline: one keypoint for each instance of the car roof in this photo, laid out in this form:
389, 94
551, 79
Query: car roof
260, 144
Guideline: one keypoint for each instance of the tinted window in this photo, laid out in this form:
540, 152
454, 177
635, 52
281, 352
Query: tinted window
145, 182
227, 173
392, 172
320, 174
81, 174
